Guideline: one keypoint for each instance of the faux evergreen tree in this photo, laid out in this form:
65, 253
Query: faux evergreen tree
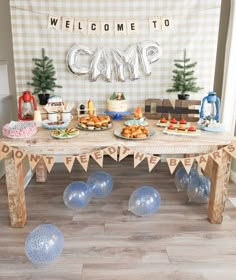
183, 78
43, 79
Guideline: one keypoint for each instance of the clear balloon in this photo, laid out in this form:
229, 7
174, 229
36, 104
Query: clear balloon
101, 184
182, 178
44, 244
126, 61
75, 68
144, 201
101, 66
199, 189
77, 195
149, 52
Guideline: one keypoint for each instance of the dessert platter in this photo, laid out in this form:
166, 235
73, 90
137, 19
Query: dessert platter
94, 123
65, 133
21, 129
163, 122
134, 132
181, 130
54, 125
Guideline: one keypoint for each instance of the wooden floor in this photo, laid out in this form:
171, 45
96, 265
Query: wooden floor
106, 241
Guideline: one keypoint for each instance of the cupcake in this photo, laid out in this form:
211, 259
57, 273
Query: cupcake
181, 128
182, 121
163, 120
171, 127
173, 120
191, 129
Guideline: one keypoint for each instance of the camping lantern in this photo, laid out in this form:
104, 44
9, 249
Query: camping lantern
210, 108
27, 106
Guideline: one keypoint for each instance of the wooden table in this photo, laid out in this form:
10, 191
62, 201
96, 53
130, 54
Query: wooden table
86, 142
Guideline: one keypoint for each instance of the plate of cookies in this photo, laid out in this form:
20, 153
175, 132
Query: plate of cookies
94, 123
134, 132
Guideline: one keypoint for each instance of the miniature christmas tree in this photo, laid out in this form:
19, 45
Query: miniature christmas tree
43, 79
183, 78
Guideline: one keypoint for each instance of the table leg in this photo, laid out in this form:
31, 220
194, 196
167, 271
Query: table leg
16, 193
219, 183
41, 172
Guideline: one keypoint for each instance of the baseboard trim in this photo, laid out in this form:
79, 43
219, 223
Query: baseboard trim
233, 176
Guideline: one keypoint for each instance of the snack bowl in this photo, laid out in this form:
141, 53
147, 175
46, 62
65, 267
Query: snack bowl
54, 125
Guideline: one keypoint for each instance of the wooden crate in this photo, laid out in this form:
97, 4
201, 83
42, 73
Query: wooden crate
158, 108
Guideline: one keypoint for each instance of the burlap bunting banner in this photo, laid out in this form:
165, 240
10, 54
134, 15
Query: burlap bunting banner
112, 151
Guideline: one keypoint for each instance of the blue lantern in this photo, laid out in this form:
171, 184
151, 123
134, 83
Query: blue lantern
214, 102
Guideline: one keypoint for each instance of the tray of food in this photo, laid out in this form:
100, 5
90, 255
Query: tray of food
181, 130
134, 132
94, 123
54, 125
64, 133
163, 122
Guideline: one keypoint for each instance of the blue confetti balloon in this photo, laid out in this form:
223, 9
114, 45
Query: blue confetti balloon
77, 195
144, 201
100, 183
199, 189
182, 178
44, 244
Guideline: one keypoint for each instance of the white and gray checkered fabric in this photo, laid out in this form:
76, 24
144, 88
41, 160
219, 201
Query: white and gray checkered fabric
195, 28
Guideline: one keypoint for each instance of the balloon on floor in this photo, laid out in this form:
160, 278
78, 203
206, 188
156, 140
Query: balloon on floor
77, 195
199, 189
182, 178
44, 244
100, 183
144, 201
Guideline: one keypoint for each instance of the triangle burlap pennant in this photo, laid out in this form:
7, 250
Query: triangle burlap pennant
138, 157
18, 156
187, 163
49, 162
69, 162
124, 152
112, 151
152, 161
98, 157
84, 160
202, 161
4, 150
231, 149
172, 163
217, 156
33, 160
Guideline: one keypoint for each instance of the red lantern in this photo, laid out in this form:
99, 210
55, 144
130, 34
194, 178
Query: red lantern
27, 106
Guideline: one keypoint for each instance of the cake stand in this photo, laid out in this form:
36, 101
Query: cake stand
117, 116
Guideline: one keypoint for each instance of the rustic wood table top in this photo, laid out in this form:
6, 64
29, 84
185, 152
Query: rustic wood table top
43, 143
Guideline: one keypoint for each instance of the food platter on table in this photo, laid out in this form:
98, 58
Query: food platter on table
181, 130
134, 132
54, 125
163, 122
94, 123
64, 133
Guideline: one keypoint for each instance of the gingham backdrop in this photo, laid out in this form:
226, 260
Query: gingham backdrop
195, 27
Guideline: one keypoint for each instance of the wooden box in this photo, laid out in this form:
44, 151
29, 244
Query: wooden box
158, 108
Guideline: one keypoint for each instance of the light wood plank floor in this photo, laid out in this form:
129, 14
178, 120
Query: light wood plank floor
105, 241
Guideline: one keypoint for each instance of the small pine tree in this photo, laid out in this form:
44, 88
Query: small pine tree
43, 79
183, 78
